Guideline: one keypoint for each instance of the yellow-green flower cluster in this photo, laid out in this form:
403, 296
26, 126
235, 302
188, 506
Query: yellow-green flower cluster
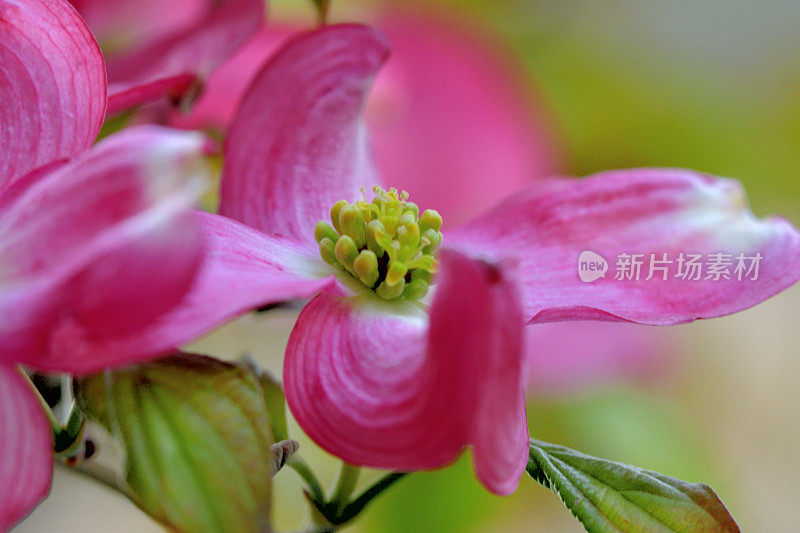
385, 244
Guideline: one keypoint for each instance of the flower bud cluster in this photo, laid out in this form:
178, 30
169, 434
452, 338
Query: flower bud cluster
385, 244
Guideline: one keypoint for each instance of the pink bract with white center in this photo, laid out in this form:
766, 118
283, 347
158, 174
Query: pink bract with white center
92, 240
403, 385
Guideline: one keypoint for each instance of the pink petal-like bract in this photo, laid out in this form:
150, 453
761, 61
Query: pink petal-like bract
52, 86
121, 25
242, 269
227, 85
298, 144
576, 356
100, 244
452, 122
452, 127
26, 448
644, 211
384, 386
124, 96
167, 66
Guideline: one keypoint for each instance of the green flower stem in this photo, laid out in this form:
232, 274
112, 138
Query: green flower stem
348, 477
353, 508
323, 6
331, 515
299, 465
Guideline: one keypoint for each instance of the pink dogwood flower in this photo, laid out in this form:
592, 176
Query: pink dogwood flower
441, 124
156, 49
377, 372
91, 239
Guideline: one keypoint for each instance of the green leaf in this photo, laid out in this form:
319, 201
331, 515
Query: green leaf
197, 439
274, 399
609, 496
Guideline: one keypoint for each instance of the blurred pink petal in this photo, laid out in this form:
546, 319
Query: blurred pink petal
122, 96
102, 243
121, 24
225, 87
192, 52
452, 122
298, 144
26, 448
52, 86
242, 269
375, 385
646, 211
570, 357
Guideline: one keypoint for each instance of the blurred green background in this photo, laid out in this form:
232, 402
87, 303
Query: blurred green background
710, 85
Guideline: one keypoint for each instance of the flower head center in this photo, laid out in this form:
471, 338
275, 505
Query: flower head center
385, 244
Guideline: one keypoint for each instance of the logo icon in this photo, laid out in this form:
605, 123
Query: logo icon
591, 266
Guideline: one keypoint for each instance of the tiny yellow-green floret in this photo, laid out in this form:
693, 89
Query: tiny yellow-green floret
386, 244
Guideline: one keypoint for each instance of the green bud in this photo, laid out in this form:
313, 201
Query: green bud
430, 219
408, 236
423, 262
366, 267
195, 435
327, 250
369, 212
323, 230
407, 218
384, 242
377, 239
415, 289
390, 222
346, 252
397, 271
335, 213
390, 292
421, 275
433, 238
393, 211
351, 222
